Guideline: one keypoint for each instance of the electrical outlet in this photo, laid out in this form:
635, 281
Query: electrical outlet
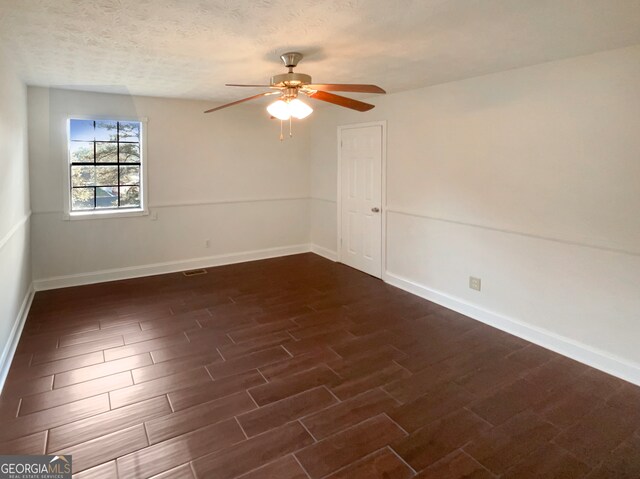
475, 283
207, 243
154, 215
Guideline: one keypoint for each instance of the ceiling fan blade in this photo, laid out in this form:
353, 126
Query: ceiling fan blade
252, 86
243, 100
352, 87
341, 101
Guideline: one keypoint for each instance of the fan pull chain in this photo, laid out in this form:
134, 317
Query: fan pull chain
290, 132
281, 135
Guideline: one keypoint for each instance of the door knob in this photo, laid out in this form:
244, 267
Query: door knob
375, 209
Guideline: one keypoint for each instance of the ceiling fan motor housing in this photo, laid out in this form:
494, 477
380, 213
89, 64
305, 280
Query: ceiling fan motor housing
290, 80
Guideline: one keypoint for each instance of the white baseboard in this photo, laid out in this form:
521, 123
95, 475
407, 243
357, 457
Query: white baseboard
596, 358
14, 337
166, 267
324, 252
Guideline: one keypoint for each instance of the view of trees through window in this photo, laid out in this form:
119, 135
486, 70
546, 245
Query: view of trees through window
104, 164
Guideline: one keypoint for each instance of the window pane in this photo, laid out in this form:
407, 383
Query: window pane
106, 175
81, 152
129, 153
106, 130
129, 131
82, 199
83, 176
81, 130
129, 175
107, 197
106, 152
129, 196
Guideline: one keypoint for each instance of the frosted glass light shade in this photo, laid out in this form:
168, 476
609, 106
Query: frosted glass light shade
280, 110
299, 109
283, 110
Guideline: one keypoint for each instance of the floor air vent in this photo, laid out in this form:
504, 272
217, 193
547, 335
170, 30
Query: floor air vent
194, 272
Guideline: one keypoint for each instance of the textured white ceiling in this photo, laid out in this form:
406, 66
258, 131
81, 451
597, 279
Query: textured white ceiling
190, 48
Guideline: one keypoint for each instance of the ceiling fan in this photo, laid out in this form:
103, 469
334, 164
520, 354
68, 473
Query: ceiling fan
288, 86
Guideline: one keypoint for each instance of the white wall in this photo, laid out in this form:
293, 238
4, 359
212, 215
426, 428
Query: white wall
528, 179
222, 176
15, 266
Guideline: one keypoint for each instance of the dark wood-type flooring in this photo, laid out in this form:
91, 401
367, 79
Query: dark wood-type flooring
296, 368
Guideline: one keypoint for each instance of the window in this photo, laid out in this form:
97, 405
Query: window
105, 166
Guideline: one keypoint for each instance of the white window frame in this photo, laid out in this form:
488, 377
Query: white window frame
113, 213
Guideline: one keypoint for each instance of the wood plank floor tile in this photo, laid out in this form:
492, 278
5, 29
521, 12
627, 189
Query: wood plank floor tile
383, 464
26, 387
547, 461
309, 360
431, 443
77, 350
283, 468
623, 461
457, 465
294, 384
183, 421
508, 401
241, 458
348, 446
55, 416
591, 438
314, 318
160, 332
357, 384
100, 370
348, 413
183, 349
97, 334
57, 397
207, 337
209, 391
173, 366
31, 343
143, 347
310, 331
424, 382
432, 406
28, 445
9, 407
242, 364
105, 448
158, 387
107, 470
324, 340
254, 332
231, 351
363, 344
180, 472
136, 315
111, 421
61, 365
227, 323
187, 321
367, 362
289, 409
168, 454
498, 448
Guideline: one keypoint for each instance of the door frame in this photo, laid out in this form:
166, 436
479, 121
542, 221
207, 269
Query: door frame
383, 186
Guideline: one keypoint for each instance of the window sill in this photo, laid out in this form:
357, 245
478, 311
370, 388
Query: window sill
104, 215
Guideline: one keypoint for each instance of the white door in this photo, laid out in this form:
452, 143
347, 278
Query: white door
361, 198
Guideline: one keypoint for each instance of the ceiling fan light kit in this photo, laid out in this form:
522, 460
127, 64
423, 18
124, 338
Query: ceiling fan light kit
284, 110
289, 85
